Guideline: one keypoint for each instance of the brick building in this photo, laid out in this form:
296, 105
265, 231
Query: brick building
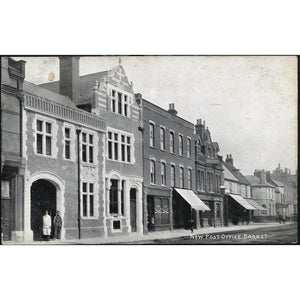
12, 161
169, 169
209, 177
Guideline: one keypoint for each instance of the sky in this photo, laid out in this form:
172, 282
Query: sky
249, 103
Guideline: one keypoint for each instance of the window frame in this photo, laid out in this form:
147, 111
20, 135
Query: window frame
172, 142
163, 173
189, 147
181, 177
44, 135
180, 144
153, 177
162, 138
88, 195
152, 136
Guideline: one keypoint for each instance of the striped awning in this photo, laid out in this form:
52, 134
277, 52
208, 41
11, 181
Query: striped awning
243, 202
192, 199
255, 204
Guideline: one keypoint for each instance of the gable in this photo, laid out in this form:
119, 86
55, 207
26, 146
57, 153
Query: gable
228, 175
117, 77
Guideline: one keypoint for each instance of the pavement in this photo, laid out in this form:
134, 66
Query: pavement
135, 237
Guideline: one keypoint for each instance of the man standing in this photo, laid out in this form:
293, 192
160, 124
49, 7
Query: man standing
47, 226
57, 225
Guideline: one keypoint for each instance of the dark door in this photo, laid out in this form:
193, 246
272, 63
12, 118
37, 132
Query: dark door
133, 209
43, 197
5, 219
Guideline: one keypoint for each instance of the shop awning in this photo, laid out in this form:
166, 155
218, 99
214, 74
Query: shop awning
243, 202
255, 204
192, 199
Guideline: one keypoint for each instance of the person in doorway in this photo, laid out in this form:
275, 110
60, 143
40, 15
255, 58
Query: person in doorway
57, 221
46, 226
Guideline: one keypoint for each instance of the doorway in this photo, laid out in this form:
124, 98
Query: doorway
133, 193
43, 197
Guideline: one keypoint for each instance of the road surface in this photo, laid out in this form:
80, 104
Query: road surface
286, 234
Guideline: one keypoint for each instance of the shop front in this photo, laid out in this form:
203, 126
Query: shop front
159, 210
239, 210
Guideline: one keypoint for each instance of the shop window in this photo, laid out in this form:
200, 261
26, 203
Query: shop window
87, 199
44, 137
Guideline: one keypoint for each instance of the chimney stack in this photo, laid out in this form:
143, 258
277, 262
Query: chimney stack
261, 175
229, 159
69, 77
172, 109
199, 127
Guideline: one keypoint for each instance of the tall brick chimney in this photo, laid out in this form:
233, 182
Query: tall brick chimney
261, 175
69, 77
229, 159
172, 109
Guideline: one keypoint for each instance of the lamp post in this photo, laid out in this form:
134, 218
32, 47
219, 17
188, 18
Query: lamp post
225, 205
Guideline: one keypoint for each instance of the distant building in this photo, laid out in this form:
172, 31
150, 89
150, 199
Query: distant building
263, 193
239, 206
289, 185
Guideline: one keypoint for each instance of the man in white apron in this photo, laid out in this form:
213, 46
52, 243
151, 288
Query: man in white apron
47, 226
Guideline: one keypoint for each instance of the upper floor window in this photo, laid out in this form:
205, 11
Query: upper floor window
162, 139
119, 146
181, 177
172, 141
67, 143
172, 175
113, 101
210, 182
189, 148
87, 147
152, 143
125, 105
152, 172
189, 179
202, 181
119, 103
209, 153
87, 199
180, 145
198, 180
163, 173
43, 137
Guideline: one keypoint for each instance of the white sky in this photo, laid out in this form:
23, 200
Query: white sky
248, 103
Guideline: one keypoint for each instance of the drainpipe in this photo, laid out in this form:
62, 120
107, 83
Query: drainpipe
78, 131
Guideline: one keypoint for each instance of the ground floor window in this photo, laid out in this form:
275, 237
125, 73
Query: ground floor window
116, 197
87, 199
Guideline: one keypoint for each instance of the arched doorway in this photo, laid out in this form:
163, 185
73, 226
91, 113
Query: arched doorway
133, 196
43, 197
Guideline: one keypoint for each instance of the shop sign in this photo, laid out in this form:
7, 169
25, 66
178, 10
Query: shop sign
161, 210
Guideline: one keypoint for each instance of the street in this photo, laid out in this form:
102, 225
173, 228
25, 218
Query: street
286, 234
